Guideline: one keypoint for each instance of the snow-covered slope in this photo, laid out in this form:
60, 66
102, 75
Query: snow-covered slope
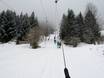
20, 61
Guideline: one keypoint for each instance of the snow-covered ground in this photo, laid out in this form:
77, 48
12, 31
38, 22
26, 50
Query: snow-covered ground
20, 61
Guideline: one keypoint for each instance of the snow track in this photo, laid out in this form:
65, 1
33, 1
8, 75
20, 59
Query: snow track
20, 61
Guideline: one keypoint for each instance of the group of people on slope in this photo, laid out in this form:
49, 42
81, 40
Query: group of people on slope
57, 42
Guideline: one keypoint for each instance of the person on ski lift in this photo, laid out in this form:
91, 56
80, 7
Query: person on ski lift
54, 39
59, 43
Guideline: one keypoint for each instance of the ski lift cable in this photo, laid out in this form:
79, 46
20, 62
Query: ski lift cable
56, 10
56, 15
66, 72
56, 1
6, 4
63, 55
44, 11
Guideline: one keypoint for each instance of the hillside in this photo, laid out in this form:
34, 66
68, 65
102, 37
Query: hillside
20, 61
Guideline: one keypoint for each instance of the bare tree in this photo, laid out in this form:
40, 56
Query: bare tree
34, 36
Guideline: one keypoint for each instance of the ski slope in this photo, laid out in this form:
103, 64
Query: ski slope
20, 61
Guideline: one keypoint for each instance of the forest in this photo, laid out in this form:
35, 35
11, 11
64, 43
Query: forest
73, 29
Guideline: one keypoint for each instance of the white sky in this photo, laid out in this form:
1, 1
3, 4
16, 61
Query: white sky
48, 7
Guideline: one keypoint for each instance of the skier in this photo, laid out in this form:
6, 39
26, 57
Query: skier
54, 39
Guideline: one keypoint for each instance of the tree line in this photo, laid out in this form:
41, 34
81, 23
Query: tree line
22, 28
76, 29
15, 26
73, 30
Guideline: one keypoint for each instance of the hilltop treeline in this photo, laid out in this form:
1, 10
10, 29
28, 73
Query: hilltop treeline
15, 26
22, 28
76, 29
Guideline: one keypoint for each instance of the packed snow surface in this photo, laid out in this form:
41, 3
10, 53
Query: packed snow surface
20, 61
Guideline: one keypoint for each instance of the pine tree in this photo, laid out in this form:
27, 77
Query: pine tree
11, 23
69, 30
71, 22
26, 24
23, 27
91, 25
67, 24
15, 26
80, 22
33, 20
7, 25
91, 21
88, 34
63, 27
2, 25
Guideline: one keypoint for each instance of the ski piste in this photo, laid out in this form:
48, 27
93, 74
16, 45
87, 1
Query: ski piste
21, 61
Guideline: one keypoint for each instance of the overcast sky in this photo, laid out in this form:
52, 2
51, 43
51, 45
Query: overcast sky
47, 8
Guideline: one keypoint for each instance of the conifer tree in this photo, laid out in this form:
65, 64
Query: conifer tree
80, 22
15, 26
7, 25
2, 26
10, 25
63, 27
91, 29
33, 20
69, 30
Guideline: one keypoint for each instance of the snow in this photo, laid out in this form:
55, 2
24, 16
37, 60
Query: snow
20, 61
102, 33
